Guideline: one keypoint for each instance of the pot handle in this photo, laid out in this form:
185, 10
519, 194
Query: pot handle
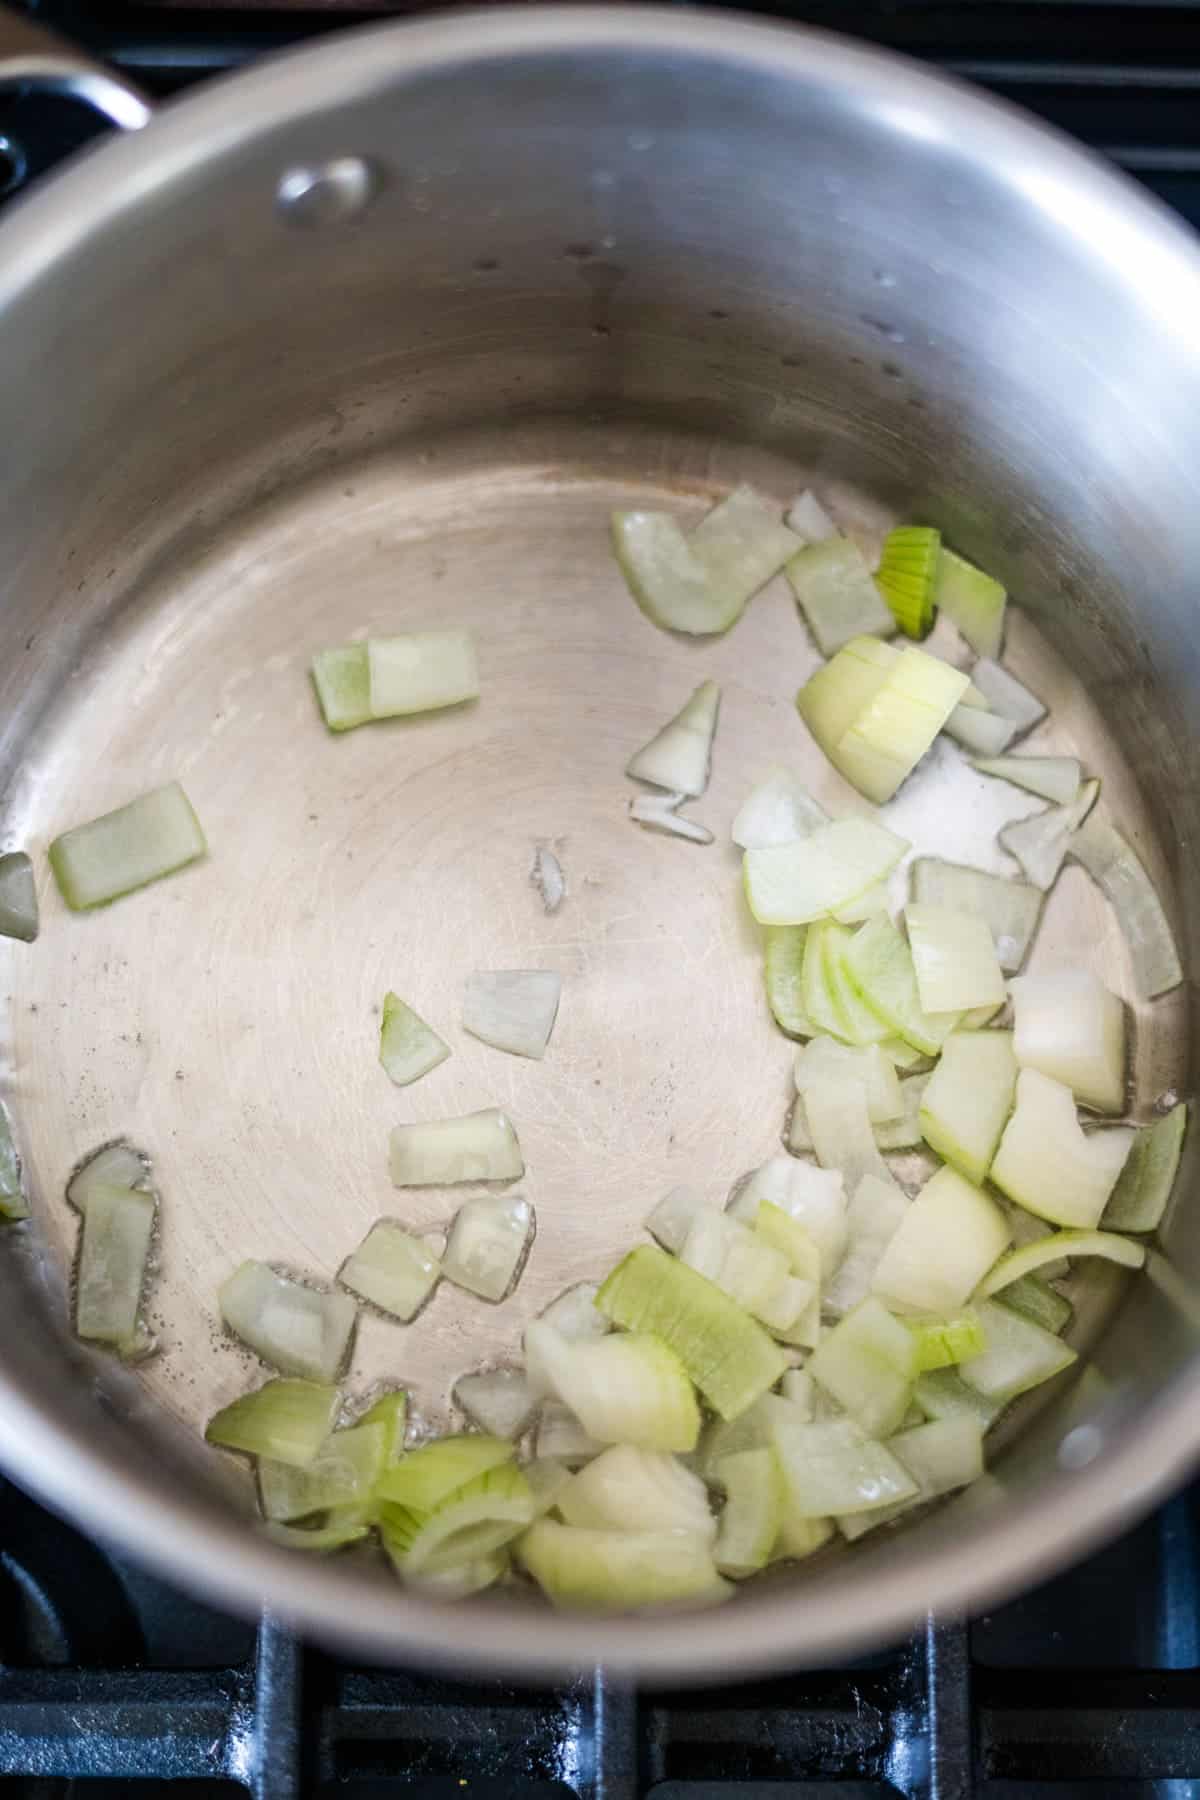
31, 56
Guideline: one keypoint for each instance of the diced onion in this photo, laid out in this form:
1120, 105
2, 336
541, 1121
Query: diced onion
657, 812
18, 897
982, 733
888, 738
343, 1473
840, 1124
879, 962
116, 1165
620, 1571
837, 596
741, 1264
874, 1216
390, 1411
13, 1204
1035, 1299
394, 1270
1011, 908
575, 1314
426, 1476
792, 884
1119, 874
825, 1060
832, 698
474, 1521
753, 1511
343, 685
946, 1242
1106, 1244
421, 672
123, 850
907, 575
868, 1364
1068, 1025
117, 1231
499, 1401
482, 1146
940, 1456
460, 1580
1055, 778
627, 1388
832, 1466
943, 1394
809, 519
287, 1421
1006, 695
320, 1539
513, 1009
561, 1437
848, 1013
954, 958
783, 973
1143, 1188
488, 1243
296, 1329
905, 1132
1040, 843
1046, 1163
625, 1489
813, 1198
973, 600
799, 1320
675, 1215
1019, 1356
778, 811
679, 756
943, 1342
742, 542
667, 578
408, 1048
968, 1098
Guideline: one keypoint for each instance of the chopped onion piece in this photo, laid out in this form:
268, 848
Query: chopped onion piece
394, 1270
783, 972
954, 958
657, 812
625, 1489
840, 1124
117, 1230
940, 1456
888, 738
1067, 1025
1006, 695
1046, 1163
727, 1354
943, 1394
513, 1009
741, 1264
907, 575
968, 1098
13, 1204
832, 1466
803, 1299
778, 811
548, 878
18, 897
1143, 1188
825, 1060
872, 900
879, 962
943, 1342
1056, 778
421, 672
1118, 873
839, 600
343, 685
852, 1019
474, 1521
499, 1401
116, 1165
295, 1328
667, 578
973, 600
620, 1571
1019, 1356
344, 1472
813, 1198
876, 1211
1034, 1299
742, 542
1025, 1228
425, 1477
1105, 1244
831, 700
868, 1364
675, 1215
793, 884
461, 1580
902, 1055
1011, 908
322, 1539
286, 1421
390, 1411
905, 1132
482, 1146
820, 1003
797, 1388
126, 849
488, 1243
982, 733
547, 1476
1040, 843
753, 1511
561, 1438
751, 1430
798, 1535
627, 1388
679, 756
947, 1241
408, 1048
808, 519
575, 1314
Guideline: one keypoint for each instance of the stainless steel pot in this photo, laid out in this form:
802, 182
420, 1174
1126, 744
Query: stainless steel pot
376, 333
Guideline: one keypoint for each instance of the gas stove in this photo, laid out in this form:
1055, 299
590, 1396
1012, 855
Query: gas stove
1087, 1688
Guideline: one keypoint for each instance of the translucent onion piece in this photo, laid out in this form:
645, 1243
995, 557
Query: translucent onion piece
973, 600
853, 1020
322, 1539
296, 1329
475, 1521
820, 1001
394, 1270
943, 1394
1046, 1163
620, 1571
778, 811
1025, 1228
797, 1319
740, 1263
1019, 1356
126, 849
1040, 843
800, 1536
548, 878
982, 733
868, 1364
488, 1243
946, 1242
1117, 871
783, 972
116, 1165
832, 1466
831, 700
792, 884
889, 737
462, 1580
547, 1476
879, 962
907, 575
871, 901
742, 542
513, 1009
390, 1412
1055, 778
1011, 908
481, 1146
1006, 695
657, 812
839, 600
425, 1477
343, 685
625, 1489
954, 958
499, 1401
753, 1511
575, 1313
18, 897
13, 1204
667, 578
876, 1211
624, 1389
797, 1387
117, 1231
1105, 1244
1034, 1299
1067, 1025
968, 1098
675, 1215
726, 1353
344, 1472
825, 1060
1143, 1188
942, 1342
421, 672
561, 1437
287, 1421
940, 1456
408, 1048
840, 1124
751, 1430
808, 519
902, 1055
679, 756
813, 1198
905, 1132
